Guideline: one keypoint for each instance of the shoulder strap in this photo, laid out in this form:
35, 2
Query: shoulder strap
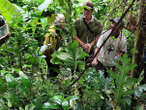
87, 26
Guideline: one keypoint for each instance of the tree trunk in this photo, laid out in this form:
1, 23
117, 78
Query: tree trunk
139, 42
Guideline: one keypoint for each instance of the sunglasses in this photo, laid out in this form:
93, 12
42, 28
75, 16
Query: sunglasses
86, 9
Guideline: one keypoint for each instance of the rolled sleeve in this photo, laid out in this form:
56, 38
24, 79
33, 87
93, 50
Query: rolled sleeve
100, 41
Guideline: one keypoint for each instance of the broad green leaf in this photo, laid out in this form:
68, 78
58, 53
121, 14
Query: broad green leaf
9, 103
44, 22
3, 106
139, 90
31, 107
126, 100
64, 56
48, 105
21, 74
57, 99
72, 56
45, 5
70, 98
65, 105
13, 99
8, 10
140, 107
10, 80
2, 72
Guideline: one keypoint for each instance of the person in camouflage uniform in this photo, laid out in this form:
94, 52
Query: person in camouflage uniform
52, 42
88, 28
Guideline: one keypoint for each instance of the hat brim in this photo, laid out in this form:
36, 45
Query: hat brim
112, 20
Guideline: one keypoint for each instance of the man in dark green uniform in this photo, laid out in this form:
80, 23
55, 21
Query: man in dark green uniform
88, 28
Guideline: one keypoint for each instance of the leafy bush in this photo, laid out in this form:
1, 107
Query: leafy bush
24, 84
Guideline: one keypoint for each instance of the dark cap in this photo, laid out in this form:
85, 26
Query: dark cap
116, 20
89, 4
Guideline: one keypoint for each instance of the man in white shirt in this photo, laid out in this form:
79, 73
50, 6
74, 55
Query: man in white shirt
114, 47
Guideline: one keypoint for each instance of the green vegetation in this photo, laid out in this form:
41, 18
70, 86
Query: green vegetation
24, 84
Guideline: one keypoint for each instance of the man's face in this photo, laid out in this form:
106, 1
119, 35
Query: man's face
117, 29
87, 12
61, 25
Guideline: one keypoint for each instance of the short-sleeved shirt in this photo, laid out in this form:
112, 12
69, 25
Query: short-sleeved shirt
82, 31
111, 49
52, 38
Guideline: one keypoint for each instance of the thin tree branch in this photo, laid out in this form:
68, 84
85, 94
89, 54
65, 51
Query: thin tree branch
113, 11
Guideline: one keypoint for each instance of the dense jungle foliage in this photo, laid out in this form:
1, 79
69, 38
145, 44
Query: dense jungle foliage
24, 83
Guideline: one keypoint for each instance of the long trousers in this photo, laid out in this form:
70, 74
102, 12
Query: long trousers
100, 66
52, 68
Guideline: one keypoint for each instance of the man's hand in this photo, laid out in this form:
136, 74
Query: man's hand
94, 62
87, 47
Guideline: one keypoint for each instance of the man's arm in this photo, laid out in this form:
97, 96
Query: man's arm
95, 62
93, 42
80, 42
99, 43
77, 28
85, 46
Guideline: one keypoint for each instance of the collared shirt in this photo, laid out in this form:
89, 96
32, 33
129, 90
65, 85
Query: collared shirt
83, 33
111, 49
91, 20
